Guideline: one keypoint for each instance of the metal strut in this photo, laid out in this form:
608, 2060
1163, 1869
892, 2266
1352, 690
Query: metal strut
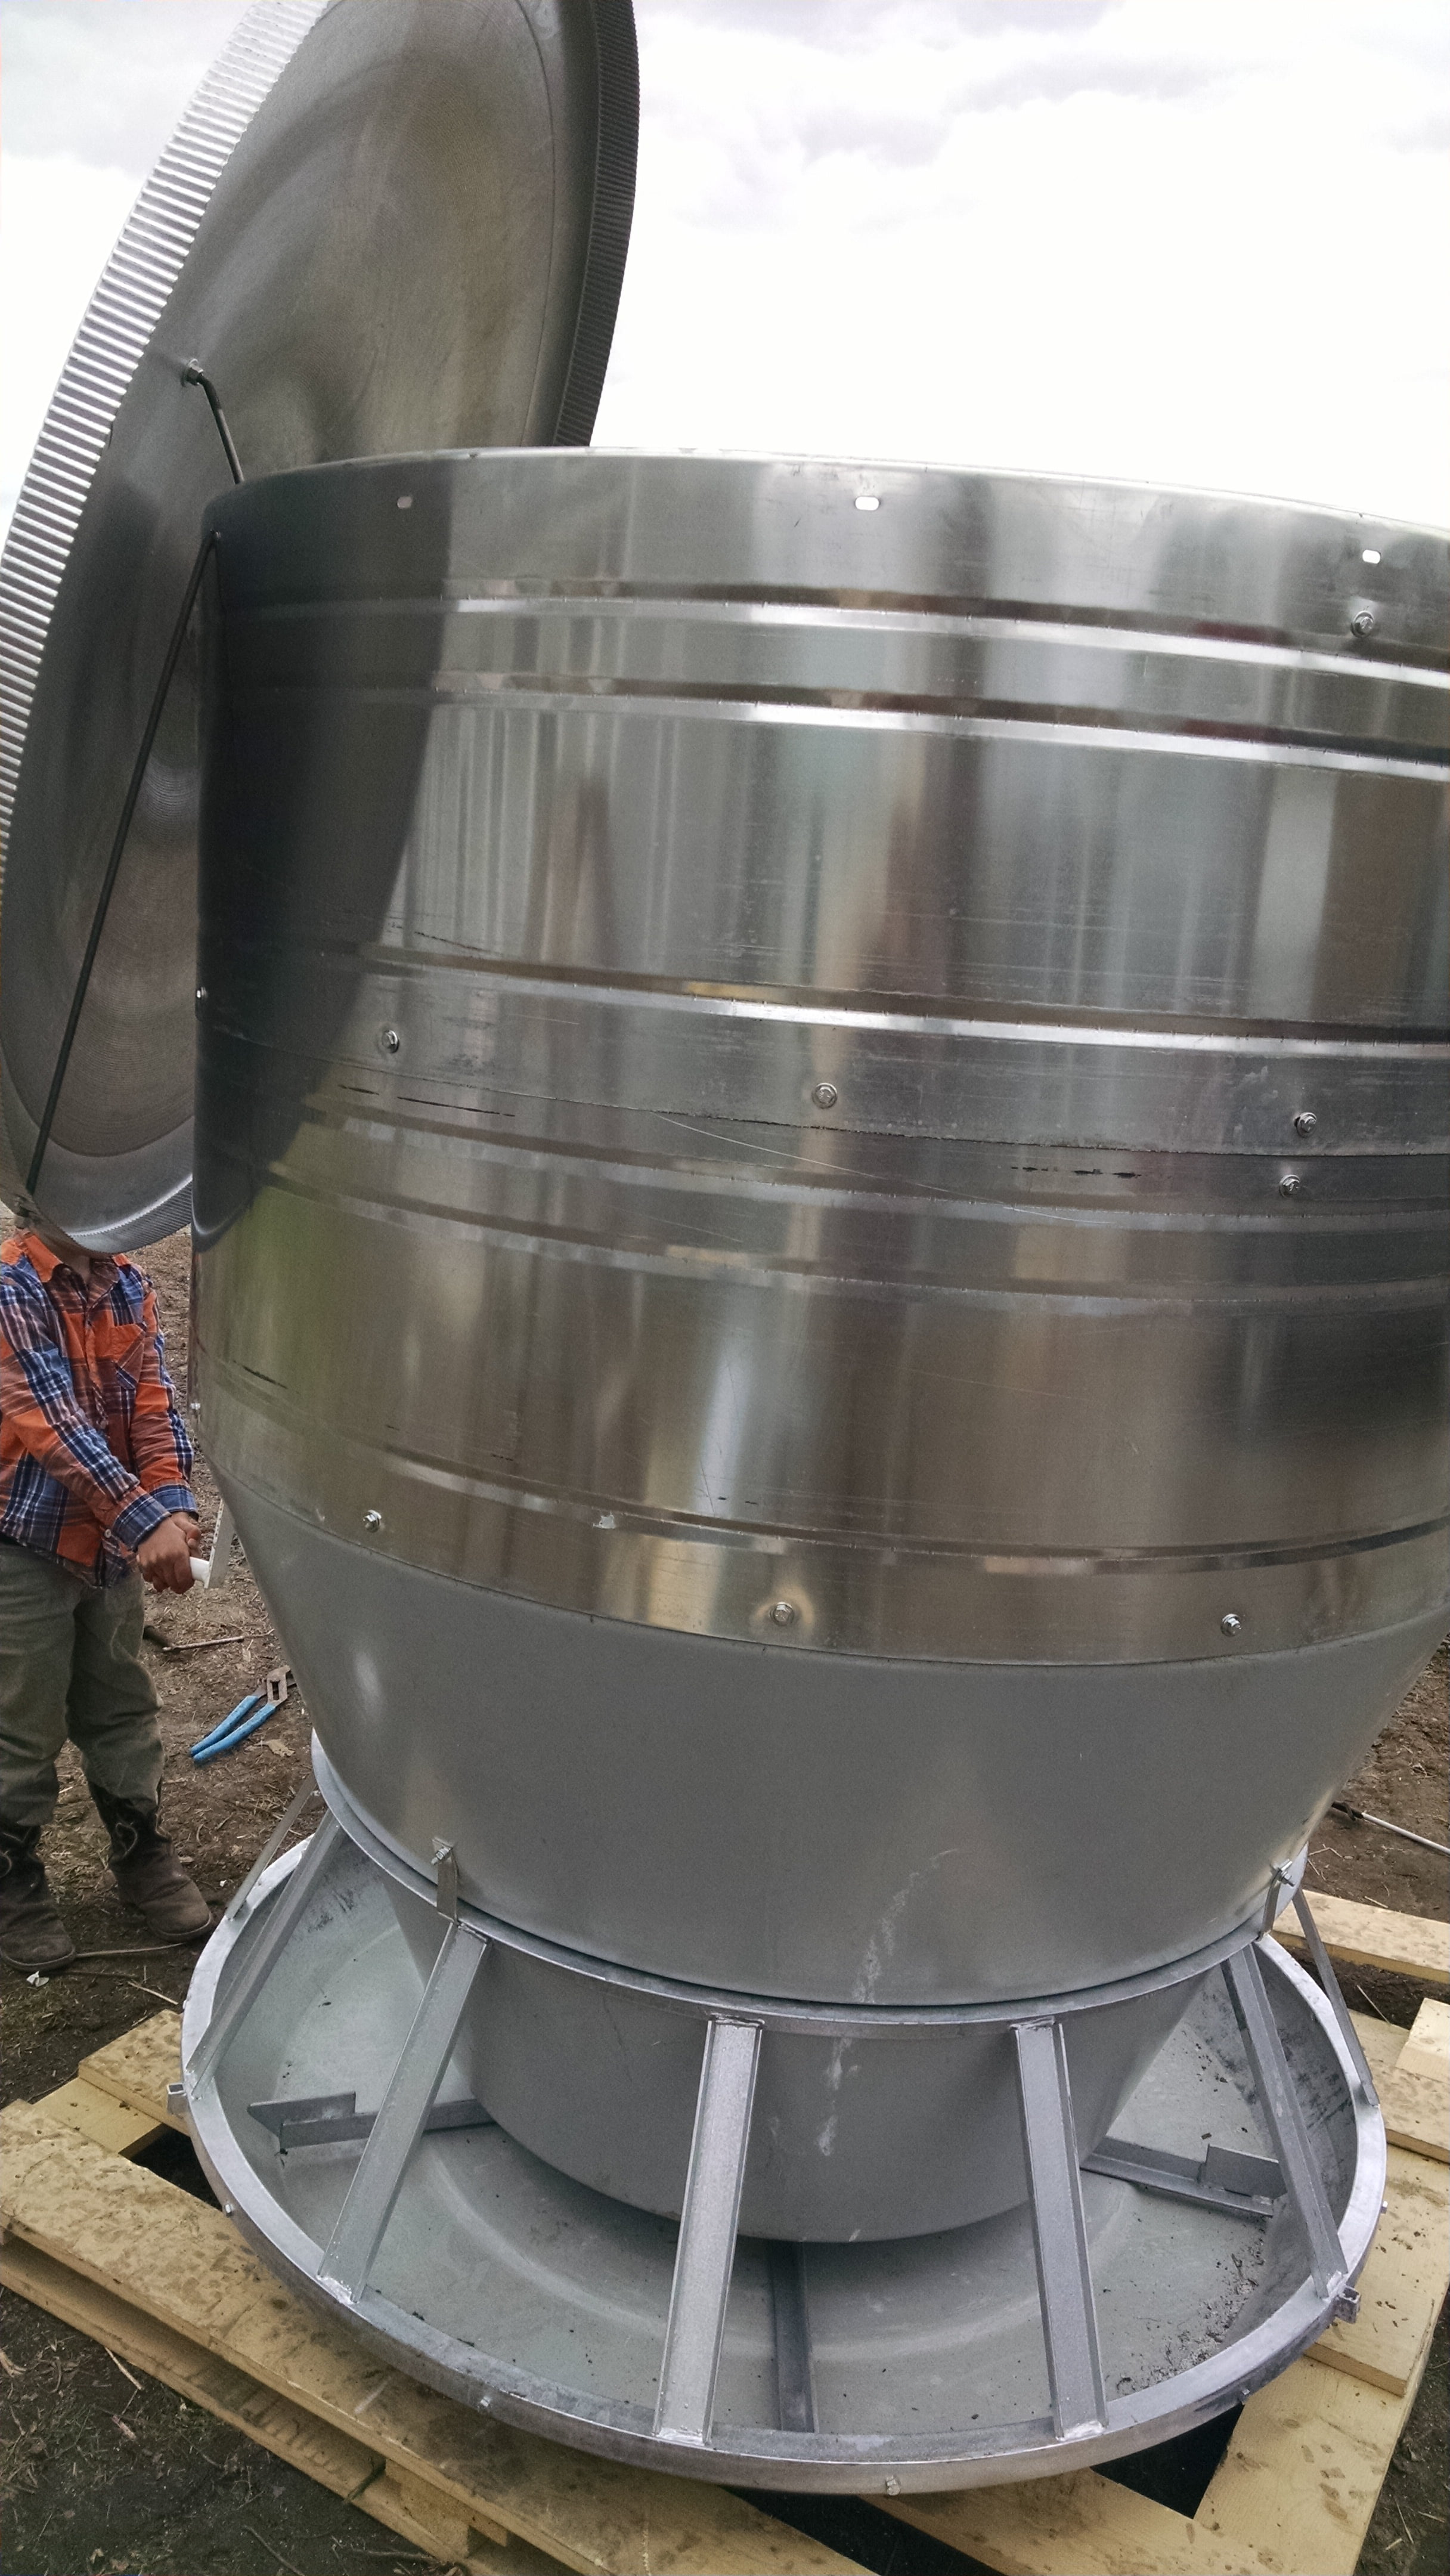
1328, 1980
289, 1906
1281, 2108
795, 2394
705, 2256
1059, 2232
362, 2220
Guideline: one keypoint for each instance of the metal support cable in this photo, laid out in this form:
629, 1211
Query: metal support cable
113, 863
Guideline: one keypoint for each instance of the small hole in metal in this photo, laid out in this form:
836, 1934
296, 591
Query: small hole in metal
1371, 554
867, 501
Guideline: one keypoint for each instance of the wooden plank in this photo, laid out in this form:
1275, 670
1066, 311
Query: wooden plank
1370, 1936
1303, 2472
387, 2501
137, 2067
1077, 2525
346, 2467
101, 2117
1403, 2282
1416, 2099
336, 2460
1381, 2042
182, 2262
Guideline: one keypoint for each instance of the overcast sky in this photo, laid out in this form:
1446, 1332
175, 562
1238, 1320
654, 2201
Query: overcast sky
1189, 241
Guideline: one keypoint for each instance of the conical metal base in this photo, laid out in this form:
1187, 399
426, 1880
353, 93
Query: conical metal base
1131, 2296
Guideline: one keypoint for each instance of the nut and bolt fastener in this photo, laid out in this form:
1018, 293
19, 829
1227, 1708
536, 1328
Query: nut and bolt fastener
1305, 1123
372, 1520
783, 1613
389, 1041
825, 1095
1362, 622
1230, 1623
1290, 1185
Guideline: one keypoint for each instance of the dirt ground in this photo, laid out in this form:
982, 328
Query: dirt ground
102, 2477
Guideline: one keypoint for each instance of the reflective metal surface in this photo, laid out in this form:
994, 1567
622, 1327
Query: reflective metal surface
867, 1081
381, 224
905, 2366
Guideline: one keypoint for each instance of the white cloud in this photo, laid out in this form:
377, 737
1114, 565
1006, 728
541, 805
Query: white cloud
1183, 240
1164, 239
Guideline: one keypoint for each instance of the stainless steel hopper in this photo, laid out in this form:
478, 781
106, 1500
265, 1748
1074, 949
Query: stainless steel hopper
820, 1297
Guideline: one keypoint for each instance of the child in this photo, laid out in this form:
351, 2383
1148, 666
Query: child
95, 1499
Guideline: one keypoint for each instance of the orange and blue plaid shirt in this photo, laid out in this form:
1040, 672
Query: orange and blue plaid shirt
93, 1452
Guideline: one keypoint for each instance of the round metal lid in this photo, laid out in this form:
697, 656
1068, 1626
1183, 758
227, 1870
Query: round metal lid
381, 226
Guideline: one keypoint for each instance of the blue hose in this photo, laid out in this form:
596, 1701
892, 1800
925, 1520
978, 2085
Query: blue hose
235, 1727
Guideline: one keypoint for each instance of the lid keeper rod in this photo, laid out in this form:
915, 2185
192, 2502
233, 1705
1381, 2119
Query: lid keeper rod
195, 374
113, 863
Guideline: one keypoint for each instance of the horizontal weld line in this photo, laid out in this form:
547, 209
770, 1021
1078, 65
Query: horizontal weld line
559, 1243
958, 607
1081, 728
750, 616
842, 1011
624, 1520
811, 1181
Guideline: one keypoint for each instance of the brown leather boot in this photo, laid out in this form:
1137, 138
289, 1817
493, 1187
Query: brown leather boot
32, 1934
146, 1871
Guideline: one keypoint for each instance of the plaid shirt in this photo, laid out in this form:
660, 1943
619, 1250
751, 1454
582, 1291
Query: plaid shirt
93, 1453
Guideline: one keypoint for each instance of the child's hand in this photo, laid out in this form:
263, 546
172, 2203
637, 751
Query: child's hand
164, 1557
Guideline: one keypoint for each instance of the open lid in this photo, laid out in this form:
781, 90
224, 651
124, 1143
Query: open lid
381, 226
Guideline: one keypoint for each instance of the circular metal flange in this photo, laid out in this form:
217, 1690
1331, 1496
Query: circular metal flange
774, 2012
498, 2281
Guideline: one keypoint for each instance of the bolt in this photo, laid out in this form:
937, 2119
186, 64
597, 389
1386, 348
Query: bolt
825, 1095
200, 995
1231, 1623
1290, 1185
389, 1041
372, 1521
783, 1613
893, 2486
1362, 622
1305, 1123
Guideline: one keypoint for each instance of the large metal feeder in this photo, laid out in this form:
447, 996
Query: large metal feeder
821, 1244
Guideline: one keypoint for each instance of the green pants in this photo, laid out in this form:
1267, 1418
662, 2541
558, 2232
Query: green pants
70, 1665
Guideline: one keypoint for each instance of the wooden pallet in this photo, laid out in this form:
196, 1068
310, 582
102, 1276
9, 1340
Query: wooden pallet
163, 2280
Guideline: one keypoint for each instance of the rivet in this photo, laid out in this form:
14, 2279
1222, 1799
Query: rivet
783, 1613
1231, 1623
389, 1041
1363, 622
825, 1095
405, 500
1290, 1185
372, 1520
1305, 1123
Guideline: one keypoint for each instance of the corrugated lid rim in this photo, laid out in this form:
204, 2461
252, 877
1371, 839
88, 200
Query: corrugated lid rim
119, 321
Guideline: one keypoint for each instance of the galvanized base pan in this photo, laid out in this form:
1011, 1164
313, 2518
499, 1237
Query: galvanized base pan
934, 2361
